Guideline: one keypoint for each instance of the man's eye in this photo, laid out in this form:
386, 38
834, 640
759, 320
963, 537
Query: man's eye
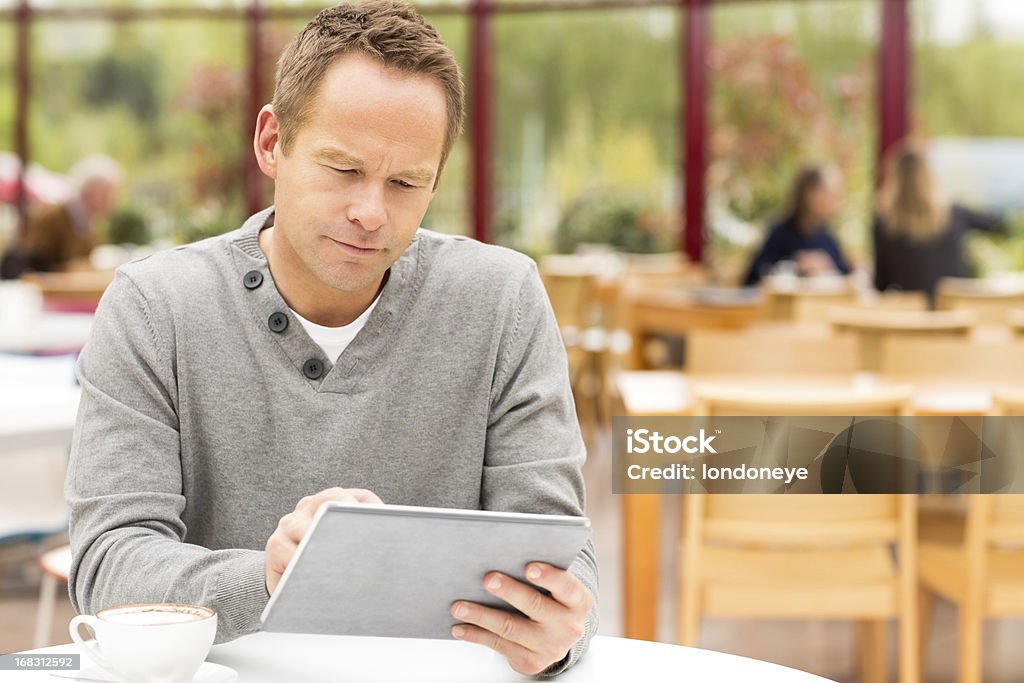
405, 185
343, 170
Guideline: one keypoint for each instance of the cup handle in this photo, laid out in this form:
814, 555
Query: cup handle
92, 650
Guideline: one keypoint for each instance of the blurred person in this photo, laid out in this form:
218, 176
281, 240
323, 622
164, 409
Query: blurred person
381, 361
61, 236
918, 234
803, 236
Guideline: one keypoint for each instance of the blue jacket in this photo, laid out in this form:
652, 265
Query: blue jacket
783, 241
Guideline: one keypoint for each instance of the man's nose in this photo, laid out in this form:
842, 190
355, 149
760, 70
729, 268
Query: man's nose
367, 206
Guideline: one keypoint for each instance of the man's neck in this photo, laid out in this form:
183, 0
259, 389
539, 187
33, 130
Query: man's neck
305, 294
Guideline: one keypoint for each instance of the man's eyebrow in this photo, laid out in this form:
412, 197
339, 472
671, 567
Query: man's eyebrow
340, 158
336, 156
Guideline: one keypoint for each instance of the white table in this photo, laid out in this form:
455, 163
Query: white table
45, 333
38, 402
274, 658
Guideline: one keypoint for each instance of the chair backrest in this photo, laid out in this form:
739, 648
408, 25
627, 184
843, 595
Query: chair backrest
902, 322
995, 520
1015, 318
756, 350
1009, 401
569, 282
893, 300
799, 519
814, 399
951, 358
990, 300
804, 302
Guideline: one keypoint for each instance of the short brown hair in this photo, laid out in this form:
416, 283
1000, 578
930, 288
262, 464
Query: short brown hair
390, 31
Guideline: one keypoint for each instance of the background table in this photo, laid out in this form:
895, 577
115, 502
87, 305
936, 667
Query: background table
272, 658
38, 402
46, 333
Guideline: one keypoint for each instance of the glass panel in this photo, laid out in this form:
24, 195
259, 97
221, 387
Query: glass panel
136, 4
968, 98
586, 134
792, 83
173, 117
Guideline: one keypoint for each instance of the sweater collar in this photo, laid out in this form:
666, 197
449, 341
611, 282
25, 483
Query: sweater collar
369, 348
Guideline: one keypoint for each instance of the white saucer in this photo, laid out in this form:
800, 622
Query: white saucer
207, 673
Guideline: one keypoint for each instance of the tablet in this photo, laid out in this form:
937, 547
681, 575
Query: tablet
393, 570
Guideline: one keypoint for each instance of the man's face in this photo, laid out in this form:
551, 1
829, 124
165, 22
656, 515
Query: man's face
359, 174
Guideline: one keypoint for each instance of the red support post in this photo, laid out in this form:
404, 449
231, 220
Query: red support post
693, 91
480, 93
22, 87
254, 200
893, 76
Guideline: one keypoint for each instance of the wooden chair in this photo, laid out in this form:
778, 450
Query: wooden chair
56, 567
983, 576
1015, 318
804, 300
569, 283
990, 300
774, 350
804, 556
872, 326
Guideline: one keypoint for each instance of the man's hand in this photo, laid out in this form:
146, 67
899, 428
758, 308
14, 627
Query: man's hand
552, 624
282, 543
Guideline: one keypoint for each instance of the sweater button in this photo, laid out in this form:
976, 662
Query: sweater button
313, 368
252, 279
278, 322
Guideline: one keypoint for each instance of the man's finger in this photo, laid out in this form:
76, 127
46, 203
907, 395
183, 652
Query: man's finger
523, 597
522, 659
562, 584
505, 625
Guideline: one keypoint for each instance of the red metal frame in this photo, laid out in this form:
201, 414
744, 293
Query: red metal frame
22, 88
254, 199
693, 91
481, 80
694, 38
893, 76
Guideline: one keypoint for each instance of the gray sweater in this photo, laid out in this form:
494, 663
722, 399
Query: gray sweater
203, 421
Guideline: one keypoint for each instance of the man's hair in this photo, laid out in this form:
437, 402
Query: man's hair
390, 31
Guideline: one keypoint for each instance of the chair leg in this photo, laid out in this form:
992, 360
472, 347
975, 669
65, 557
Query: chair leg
925, 606
688, 626
970, 627
870, 635
44, 613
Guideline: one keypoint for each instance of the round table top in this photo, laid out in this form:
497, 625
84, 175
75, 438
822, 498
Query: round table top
275, 657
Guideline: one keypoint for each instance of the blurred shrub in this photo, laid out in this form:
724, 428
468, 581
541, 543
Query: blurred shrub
625, 222
127, 226
204, 223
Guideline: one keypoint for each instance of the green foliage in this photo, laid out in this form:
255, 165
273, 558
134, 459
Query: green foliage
624, 222
123, 79
127, 225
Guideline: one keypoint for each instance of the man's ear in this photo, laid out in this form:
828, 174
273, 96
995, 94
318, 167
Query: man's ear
266, 141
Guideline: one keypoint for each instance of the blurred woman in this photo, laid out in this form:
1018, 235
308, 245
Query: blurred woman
918, 234
803, 236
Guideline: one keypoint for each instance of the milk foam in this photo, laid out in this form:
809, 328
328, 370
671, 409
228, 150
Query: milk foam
153, 616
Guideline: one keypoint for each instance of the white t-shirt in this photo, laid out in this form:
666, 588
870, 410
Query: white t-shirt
334, 340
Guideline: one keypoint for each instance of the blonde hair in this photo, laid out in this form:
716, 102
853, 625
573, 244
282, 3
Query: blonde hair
910, 202
390, 31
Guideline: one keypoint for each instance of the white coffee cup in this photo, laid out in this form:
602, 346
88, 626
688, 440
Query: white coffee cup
153, 643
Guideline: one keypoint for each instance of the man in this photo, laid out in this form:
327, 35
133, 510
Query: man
61, 236
328, 350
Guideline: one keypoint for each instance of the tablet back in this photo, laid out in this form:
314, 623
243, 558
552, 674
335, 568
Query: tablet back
395, 570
